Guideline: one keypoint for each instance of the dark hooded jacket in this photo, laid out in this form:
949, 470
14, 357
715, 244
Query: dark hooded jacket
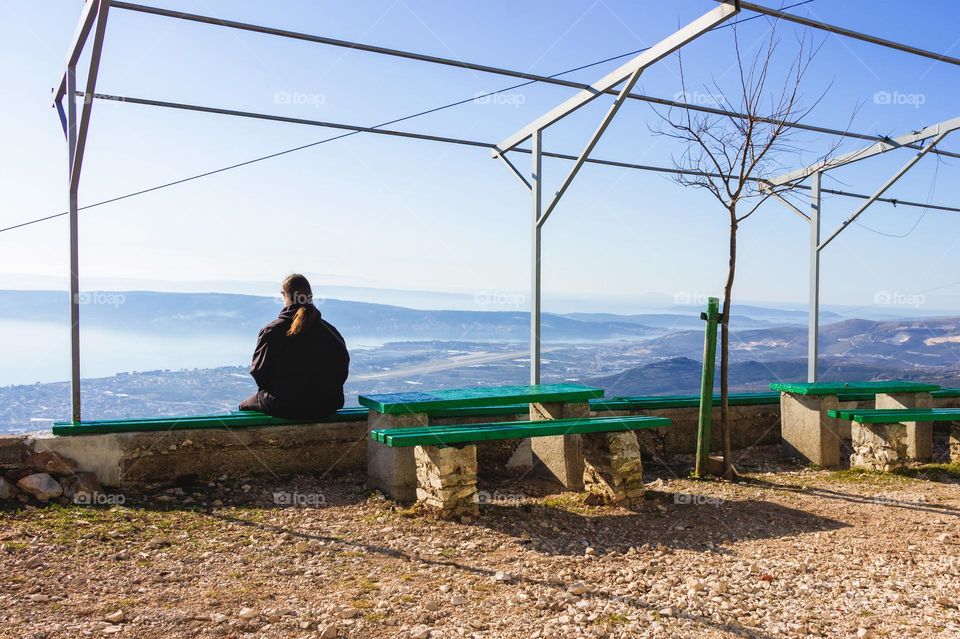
300, 376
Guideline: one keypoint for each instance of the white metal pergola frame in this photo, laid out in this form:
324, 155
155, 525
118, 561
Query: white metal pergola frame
76, 122
932, 135
629, 73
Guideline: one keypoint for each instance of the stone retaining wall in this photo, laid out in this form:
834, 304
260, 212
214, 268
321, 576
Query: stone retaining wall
132, 460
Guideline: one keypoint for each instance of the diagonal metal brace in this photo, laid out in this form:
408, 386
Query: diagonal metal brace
883, 189
594, 139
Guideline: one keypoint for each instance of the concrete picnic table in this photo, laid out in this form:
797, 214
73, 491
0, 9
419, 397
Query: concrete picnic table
393, 470
810, 433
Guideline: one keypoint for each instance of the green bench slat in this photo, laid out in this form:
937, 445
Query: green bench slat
894, 415
830, 388
425, 402
946, 392
644, 421
446, 435
225, 421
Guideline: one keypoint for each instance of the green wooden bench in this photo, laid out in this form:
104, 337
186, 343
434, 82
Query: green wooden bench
227, 421
881, 436
393, 471
460, 434
251, 419
883, 415
430, 401
809, 432
838, 388
408, 458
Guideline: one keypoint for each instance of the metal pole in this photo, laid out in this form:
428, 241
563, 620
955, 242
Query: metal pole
536, 191
76, 140
813, 319
74, 246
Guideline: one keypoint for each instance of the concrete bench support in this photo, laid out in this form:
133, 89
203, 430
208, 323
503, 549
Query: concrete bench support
612, 467
392, 470
447, 479
919, 434
560, 456
879, 446
808, 431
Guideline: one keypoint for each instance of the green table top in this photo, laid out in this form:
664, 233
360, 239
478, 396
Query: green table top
422, 402
837, 388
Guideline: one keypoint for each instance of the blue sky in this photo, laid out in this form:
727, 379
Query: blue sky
385, 212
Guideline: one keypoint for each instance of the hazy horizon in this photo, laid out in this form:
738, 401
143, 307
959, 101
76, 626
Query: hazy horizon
388, 213
887, 305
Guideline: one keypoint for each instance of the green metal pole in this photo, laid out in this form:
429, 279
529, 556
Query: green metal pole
712, 316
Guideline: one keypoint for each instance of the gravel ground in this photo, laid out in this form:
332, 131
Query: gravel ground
786, 552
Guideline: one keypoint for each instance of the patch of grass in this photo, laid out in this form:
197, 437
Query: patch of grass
570, 502
448, 552
375, 617
372, 494
612, 619
410, 513
249, 514
367, 586
935, 472
871, 477
362, 604
66, 525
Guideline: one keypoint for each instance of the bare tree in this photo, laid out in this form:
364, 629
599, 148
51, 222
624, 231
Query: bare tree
733, 156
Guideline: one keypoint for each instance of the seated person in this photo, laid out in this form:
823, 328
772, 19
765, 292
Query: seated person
301, 361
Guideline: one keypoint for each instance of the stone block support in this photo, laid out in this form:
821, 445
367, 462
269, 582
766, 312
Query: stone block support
879, 446
447, 479
919, 434
392, 470
808, 431
560, 456
955, 443
612, 466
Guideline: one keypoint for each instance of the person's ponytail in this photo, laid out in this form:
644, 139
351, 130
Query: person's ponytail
297, 289
299, 321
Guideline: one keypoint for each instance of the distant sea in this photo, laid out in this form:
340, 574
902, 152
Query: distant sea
32, 352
